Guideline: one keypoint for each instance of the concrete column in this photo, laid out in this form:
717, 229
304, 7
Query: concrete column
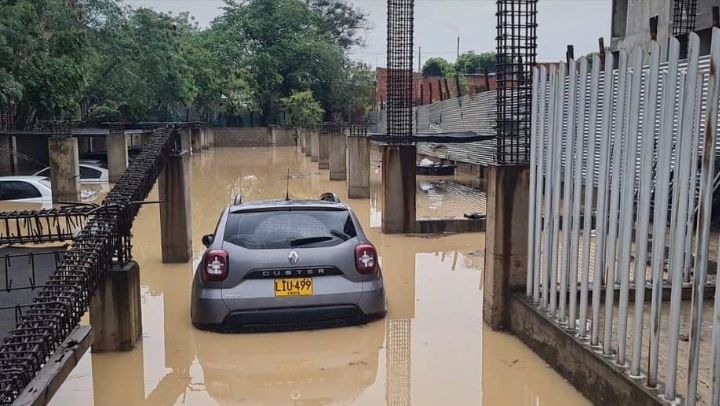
186, 140
117, 154
8, 159
324, 151
308, 142
505, 241
398, 188
175, 211
115, 309
210, 134
196, 140
358, 167
204, 137
338, 156
64, 169
314, 146
301, 139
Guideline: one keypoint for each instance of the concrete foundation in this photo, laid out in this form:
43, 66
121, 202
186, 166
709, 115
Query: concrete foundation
314, 146
196, 141
358, 167
324, 151
338, 157
117, 155
8, 157
64, 169
175, 211
398, 189
115, 309
506, 241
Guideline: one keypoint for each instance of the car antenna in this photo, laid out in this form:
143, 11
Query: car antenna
287, 187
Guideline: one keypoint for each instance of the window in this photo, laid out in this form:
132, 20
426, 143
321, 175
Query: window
289, 229
45, 172
87, 172
15, 190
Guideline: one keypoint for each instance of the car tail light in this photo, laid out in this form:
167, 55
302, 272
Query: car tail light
215, 265
366, 259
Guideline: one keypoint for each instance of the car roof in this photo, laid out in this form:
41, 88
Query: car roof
270, 205
24, 178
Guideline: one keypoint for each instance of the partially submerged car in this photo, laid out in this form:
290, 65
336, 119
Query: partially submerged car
287, 264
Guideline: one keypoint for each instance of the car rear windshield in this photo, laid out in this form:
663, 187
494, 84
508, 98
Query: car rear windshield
289, 229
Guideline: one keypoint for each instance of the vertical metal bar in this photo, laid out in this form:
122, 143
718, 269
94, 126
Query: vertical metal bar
577, 189
617, 158
532, 205
549, 184
645, 187
567, 196
557, 135
628, 201
662, 180
601, 214
542, 131
689, 153
594, 119
694, 179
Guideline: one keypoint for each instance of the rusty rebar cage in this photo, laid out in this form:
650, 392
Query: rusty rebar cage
516, 52
683, 22
400, 28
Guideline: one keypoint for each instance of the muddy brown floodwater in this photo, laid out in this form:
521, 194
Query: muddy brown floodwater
432, 349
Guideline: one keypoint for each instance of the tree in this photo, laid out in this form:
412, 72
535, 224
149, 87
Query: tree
342, 21
472, 63
304, 110
438, 67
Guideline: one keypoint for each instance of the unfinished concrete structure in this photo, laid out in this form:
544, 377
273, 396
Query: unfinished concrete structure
64, 169
175, 209
338, 154
358, 162
117, 153
324, 147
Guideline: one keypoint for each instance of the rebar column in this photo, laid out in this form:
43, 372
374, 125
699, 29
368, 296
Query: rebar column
398, 156
508, 179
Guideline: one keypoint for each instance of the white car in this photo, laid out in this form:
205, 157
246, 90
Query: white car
90, 172
33, 189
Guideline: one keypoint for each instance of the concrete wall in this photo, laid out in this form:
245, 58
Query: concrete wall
253, 136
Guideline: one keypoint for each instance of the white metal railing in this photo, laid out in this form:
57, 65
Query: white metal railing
617, 159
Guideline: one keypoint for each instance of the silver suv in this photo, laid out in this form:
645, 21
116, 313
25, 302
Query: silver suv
291, 264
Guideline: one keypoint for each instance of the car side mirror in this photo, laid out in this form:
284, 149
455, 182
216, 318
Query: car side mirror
207, 240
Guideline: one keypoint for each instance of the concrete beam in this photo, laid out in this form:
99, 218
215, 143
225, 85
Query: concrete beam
314, 146
64, 169
117, 155
358, 167
175, 211
398, 189
48, 380
505, 241
115, 309
324, 151
338, 156
196, 140
8, 157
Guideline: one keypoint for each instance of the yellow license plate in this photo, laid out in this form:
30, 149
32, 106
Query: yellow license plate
294, 287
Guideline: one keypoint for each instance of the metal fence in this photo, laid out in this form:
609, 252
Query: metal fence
621, 191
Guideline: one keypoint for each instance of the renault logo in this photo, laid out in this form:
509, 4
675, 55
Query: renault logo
293, 257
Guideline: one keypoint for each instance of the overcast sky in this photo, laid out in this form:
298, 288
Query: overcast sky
438, 23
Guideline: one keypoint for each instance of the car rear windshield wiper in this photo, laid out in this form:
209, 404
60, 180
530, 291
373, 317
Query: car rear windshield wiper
309, 240
340, 235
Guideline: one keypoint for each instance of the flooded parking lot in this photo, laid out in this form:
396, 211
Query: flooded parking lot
431, 349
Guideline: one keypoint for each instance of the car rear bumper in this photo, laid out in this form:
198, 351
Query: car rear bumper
210, 312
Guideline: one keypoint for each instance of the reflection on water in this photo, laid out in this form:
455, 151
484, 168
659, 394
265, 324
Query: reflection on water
432, 349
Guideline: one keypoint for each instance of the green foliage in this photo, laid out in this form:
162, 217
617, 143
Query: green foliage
438, 67
304, 110
472, 63
99, 60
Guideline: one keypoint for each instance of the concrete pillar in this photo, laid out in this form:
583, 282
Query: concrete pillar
505, 241
324, 150
315, 146
204, 137
186, 140
338, 156
115, 309
398, 188
64, 169
175, 211
210, 137
358, 167
8, 159
301, 139
308, 142
117, 155
196, 140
